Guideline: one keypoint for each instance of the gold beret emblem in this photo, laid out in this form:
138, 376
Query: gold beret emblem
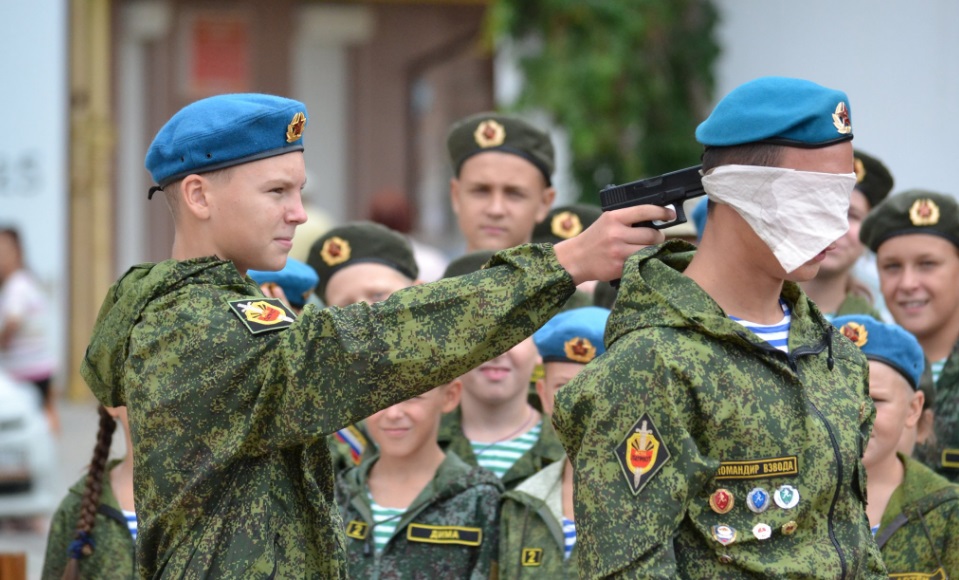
295, 129
489, 133
579, 350
855, 332
566, 225
924, 212
860, 170
335, 251
841, 119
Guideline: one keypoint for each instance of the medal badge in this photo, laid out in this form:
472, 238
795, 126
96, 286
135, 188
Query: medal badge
725, 535
721, 501
787, 497
758, 500
789, 528
762, 531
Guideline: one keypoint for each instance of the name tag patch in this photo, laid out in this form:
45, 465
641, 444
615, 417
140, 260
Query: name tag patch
939, 574
950, 458
262, 314
532, 557
758, 468
444, 535
357, 530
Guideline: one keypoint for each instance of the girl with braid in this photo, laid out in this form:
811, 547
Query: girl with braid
93, 534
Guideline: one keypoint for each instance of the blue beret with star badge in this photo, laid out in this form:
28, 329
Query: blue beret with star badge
781, 111
890, 344
295, 279
573, 336
223, 131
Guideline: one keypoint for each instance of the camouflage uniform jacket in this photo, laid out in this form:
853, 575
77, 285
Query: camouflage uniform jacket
114, 555
947, 418
531, 541
449, 531
545, 451
686, 402
233, 476
919, 532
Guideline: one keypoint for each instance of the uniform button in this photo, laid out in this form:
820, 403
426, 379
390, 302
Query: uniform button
725, 559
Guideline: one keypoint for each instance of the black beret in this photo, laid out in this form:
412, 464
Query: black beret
356, 243
565, 222
872, 178
468, 263
911, 212
496, 132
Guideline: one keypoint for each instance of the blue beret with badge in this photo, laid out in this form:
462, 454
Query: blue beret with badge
890, 344
781, 111
296, 279
223, 131
573, 336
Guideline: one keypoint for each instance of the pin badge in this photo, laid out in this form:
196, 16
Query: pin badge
721, 501
725, 535
725, 559
789, 528
787, 497
758, 500
762, 531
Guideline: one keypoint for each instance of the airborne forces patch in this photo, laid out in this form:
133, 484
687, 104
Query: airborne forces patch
642, 453
262, 314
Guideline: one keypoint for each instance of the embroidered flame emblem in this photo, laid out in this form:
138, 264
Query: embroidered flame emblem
489, 133
335, 251
860, 170
295, 129
566, 225
579, 350
264, 313
924, 212
643, 449
855, 332
841, 119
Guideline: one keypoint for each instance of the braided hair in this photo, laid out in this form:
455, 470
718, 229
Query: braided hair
83, 544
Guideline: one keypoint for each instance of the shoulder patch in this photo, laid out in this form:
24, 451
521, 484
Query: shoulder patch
532, 557
642, 453
758, 468
357, 530
262, 314
444, 534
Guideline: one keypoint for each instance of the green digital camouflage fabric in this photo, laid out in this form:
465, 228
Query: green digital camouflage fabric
854, 304
686, 402
919, 532
947, 418
531, 542
114, 556
233, 476
449, 531
547, 449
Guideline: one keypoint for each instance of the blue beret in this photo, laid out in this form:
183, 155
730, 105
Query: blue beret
890, 344
781, 111
573, 336
296, 279
224, 131
699, 216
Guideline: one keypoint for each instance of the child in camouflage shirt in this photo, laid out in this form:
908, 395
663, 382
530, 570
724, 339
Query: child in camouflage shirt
913, 512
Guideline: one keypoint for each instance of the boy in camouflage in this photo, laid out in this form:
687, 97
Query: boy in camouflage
537, 527
231, 395
914, 513
720, 435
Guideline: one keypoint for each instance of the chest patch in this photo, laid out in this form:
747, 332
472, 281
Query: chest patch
758, 468
641, 453
262, 314
532, 557
357, 530
444, 534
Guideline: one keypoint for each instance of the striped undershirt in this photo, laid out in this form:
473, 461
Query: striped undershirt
499, 457
936, 369
131, 518
777, 334
569, 536
385, 520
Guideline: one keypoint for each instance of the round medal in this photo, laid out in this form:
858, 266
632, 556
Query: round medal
721, 501
758, 500
787, 497
762, 531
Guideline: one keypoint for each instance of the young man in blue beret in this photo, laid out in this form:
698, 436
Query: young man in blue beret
231, 394
720, 435
913, 512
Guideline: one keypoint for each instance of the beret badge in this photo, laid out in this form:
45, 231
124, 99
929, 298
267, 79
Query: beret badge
855, 332
579, 350
335, 251
489, 133
566, 225
295, 129
841, 119
924, 212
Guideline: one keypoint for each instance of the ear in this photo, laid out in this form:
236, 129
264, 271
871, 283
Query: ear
544, 403
915, 409
549, 195
455, 194
452, 395
926, 422
195, 196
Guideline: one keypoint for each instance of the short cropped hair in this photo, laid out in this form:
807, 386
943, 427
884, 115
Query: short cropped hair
761, 154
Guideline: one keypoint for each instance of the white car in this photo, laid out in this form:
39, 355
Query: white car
28, 464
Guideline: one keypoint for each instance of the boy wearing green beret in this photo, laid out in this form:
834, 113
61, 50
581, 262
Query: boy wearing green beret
720, 435
914, 513
835, 290
231, 394
502, 179
915, 235
537, 525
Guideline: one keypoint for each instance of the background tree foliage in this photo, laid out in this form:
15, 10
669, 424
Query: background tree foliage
628, 79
